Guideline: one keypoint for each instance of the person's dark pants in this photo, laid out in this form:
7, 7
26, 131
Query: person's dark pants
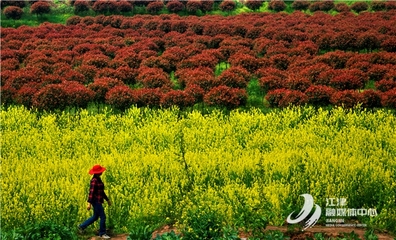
98, 213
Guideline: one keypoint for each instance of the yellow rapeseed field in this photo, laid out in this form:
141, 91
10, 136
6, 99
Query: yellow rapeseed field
161, 164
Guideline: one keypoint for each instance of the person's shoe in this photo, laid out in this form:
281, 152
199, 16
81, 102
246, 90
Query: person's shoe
80, 229
105, 236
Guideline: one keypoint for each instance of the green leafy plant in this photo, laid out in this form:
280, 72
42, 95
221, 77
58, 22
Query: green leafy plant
47, 230
319, 236
141, 232
202, 224
349, 236
274, 235
168, 236
370, 235
14, 234
230, 233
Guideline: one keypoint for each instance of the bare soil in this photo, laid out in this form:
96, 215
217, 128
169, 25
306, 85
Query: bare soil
328, 232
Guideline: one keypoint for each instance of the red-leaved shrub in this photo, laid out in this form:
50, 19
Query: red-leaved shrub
13, 12
7, 94
126, 74
300, 4
314, 6
345, 80
50, 97
389, 98
175, 6
230, 79
124, 6
377, 71
73, 20
146, 97
368, 41
177, 98
227, 5
224, 96
10, 64
280, 61
312, 72
385, 85
378, 5
25, 75
155, 7
196, 92
319, 95
390, 5
285, 97
81, 6
277, 5
297, 82
248, 62
293, 97
207, 5
346, 98
153, 78
102, 85
254, 4
40, 8
199, 60
25, 94
359, 6
202, 77
192, 6
97, 60
389, 44
342, 7
77, 94
370, 99
120, 97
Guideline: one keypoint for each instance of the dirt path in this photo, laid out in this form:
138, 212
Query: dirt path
328, 232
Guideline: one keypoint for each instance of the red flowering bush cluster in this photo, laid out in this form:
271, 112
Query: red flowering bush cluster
13, 12
146, 97
177, 98
175, 6
52, 96
300, 5
226, 97
389, 98
286, 97
153, 78
154, 7
192, 6
102, 85
40, 8
359, 6
346, 98
319, 95
227, 5
77, 94
81, 6
370, 99
277, 5
120, 97
171, 58
385, 85
254, 4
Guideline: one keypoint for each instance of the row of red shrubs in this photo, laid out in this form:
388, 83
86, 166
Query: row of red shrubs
318, 95
150, 50
119, 95
114, 92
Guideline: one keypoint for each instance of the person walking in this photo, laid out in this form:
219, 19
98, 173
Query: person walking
96, 199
